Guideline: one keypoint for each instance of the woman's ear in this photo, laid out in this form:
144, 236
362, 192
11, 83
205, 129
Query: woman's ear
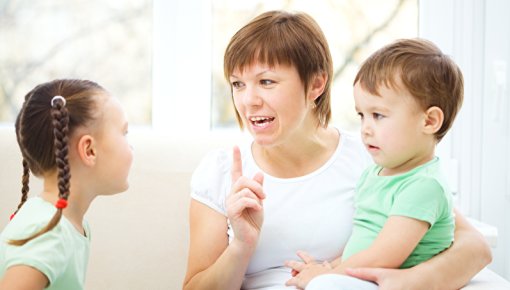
434, 118
317, 86
87, 150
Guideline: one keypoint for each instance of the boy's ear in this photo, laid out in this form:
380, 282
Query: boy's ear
317, 86
434, 118
87, 150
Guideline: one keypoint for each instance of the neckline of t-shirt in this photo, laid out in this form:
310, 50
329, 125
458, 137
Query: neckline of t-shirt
64, 219
378, 169
341, 140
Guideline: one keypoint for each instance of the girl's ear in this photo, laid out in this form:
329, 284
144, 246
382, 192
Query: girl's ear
434, 118
87, 150
317, 86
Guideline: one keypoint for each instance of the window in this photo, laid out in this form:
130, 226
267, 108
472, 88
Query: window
107, 41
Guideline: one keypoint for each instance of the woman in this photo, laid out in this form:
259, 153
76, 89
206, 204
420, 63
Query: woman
291, 188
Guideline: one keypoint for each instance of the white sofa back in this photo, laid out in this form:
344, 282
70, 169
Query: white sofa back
139, 237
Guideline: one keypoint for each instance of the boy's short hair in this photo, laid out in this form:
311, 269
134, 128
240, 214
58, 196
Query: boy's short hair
283, 38
430, 76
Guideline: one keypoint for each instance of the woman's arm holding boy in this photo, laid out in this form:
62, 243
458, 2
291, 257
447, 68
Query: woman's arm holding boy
389, 250
452, 269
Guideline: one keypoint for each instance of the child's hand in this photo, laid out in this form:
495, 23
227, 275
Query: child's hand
305, 272
294, 265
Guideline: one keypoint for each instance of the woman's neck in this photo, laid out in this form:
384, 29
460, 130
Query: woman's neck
297, 157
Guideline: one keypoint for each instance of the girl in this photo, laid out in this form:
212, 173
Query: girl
65, 128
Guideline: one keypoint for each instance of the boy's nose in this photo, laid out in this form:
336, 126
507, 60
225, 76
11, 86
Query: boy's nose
366, 129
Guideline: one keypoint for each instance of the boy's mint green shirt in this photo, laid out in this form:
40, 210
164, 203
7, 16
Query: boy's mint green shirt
61, 254
421, 193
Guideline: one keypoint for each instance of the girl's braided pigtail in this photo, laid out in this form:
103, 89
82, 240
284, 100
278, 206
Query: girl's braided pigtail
24, 186
60, 122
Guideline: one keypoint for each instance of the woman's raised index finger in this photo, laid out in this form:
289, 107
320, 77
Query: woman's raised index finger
237, 167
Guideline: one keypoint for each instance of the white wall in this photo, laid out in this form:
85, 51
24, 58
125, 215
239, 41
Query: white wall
476, 33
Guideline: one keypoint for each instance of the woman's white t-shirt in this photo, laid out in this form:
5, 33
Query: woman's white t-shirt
312, 213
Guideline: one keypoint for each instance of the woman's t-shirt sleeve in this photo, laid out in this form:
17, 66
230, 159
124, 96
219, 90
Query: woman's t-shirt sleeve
210, 182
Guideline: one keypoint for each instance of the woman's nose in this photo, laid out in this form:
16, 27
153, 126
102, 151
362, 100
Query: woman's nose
252, 96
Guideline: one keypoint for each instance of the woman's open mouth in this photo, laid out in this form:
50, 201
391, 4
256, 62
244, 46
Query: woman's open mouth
261, 121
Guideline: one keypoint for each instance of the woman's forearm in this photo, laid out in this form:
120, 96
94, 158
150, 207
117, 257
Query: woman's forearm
226, 273
455, 267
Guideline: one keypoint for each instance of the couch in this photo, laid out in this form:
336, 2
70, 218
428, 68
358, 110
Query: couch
140, 237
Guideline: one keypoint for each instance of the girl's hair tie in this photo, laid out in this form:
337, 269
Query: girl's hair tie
57, 98
12, 216
61, 203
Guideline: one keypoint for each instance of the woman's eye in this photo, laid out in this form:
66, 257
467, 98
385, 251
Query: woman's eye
236, 84
266, 82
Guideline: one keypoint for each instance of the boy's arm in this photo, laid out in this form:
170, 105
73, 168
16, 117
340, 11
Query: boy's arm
398, 238
389, 250
452, 269
23, 278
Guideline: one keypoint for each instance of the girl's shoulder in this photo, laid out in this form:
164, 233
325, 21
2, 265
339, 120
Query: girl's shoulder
32, 216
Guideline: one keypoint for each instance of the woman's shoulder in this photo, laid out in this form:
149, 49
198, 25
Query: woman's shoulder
351, 147
211, 180
214, 164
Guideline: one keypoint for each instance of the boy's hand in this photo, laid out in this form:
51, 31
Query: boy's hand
306, 272
303, 272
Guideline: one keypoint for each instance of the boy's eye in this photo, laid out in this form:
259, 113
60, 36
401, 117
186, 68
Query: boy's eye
377, 116
360, 115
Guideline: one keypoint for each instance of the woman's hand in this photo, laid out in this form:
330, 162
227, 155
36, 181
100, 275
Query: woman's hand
244, 204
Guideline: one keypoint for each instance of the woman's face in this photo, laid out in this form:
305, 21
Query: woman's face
271, 102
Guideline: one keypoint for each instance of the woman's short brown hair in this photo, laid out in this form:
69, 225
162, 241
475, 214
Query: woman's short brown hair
430, 76
283, 38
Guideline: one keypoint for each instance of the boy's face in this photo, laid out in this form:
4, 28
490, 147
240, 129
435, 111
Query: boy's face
392, 129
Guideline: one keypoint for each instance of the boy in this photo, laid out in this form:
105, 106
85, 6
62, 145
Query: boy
407, 95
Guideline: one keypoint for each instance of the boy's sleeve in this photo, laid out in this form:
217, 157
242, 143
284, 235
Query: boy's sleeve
422, 199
